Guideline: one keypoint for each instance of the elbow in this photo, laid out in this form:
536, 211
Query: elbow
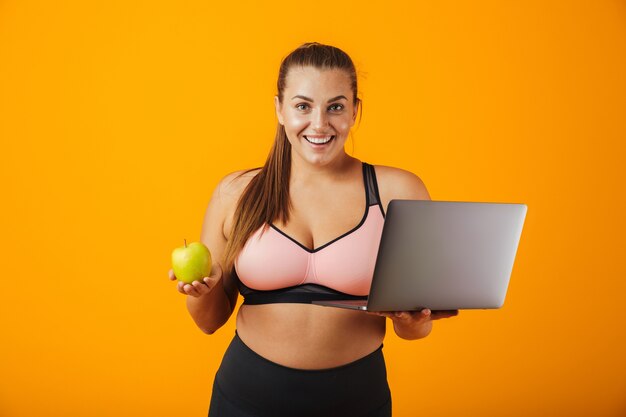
208, 328
212, 326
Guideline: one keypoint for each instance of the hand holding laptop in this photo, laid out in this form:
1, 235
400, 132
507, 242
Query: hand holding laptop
419, 315
414, 324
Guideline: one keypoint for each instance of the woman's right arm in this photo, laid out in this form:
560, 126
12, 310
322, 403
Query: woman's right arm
211, 303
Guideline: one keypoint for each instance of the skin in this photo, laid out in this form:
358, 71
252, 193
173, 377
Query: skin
326, 189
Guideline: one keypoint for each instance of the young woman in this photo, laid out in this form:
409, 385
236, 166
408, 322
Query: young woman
306, 226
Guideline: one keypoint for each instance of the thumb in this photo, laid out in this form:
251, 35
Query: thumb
214, 276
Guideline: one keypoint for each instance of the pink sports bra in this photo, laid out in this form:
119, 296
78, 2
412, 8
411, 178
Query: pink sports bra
275, 268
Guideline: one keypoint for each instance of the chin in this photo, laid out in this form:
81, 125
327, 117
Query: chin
322, 160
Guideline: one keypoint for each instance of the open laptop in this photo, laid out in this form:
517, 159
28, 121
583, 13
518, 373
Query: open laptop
443, 255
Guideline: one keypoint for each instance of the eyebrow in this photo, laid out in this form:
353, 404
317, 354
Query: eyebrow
311, 100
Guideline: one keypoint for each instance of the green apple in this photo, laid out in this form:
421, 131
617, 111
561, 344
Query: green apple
191, 262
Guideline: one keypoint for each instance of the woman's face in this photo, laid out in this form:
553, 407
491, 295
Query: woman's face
317, 113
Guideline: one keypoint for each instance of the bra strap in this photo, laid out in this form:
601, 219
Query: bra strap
373, 197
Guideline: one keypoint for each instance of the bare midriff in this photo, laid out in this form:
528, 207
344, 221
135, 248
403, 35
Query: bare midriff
307, 336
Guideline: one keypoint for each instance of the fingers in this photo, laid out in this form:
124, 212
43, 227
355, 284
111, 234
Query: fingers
180, 286
388, 314
398, 315
438, 314
200, 288
196, 288
419, 315
215, 276
425, 313
405, 315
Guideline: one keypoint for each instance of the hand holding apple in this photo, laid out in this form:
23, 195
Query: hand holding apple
199, 288
191, 262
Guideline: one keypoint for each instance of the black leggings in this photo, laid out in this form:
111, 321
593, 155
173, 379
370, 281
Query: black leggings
248, 385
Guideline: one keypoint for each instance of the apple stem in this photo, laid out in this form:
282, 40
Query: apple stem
185, 240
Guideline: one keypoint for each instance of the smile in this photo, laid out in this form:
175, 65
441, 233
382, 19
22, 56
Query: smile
320, 140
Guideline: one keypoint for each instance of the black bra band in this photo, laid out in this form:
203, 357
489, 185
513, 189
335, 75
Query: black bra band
302, 294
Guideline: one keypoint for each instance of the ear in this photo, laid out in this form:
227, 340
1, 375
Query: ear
277, 106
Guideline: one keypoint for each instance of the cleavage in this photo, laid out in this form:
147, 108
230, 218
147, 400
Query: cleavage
301, 225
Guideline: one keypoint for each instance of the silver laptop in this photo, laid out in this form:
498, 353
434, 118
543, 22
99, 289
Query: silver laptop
443, 255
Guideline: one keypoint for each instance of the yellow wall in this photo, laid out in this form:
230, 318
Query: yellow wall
118, 118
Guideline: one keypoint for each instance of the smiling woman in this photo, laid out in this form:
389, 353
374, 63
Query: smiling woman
306, 226
310, 117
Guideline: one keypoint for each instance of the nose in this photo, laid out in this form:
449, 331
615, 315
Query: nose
320, 120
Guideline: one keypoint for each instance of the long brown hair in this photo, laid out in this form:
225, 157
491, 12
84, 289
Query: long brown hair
266, 197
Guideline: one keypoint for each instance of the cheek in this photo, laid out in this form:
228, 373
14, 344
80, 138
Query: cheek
295, 123
343, 125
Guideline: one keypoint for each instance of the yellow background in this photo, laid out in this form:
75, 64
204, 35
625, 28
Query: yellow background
118, 118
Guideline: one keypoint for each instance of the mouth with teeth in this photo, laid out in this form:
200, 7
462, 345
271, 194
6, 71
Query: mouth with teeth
322, 140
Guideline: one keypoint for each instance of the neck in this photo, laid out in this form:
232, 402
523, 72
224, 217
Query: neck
303, 172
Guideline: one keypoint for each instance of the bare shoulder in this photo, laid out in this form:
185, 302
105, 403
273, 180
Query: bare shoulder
232, 185
398, 183
228, 192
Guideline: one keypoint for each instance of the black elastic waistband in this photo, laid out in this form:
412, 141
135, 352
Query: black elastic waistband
262, 387
237, 340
